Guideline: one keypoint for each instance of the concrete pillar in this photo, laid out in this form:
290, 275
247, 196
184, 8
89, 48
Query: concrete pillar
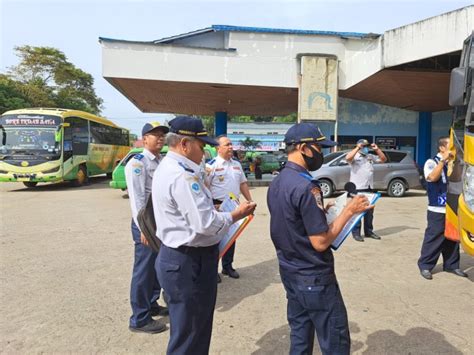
424, 137
220, 123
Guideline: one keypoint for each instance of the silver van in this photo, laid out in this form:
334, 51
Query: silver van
398, 174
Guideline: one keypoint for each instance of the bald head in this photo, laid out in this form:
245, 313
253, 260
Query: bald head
225, 149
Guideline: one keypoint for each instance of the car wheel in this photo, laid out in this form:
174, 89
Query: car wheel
30, 184
326, 187
81, 176
397, 188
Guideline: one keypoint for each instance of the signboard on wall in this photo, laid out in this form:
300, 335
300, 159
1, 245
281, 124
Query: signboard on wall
388, 142
318, 89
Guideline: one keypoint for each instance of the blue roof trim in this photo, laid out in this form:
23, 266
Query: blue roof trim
290, 31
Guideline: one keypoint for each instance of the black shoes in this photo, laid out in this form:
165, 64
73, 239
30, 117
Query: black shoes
426, 274
373, 236
230, 271
457, 272
219, 280
153, 327
359, 238
159, 311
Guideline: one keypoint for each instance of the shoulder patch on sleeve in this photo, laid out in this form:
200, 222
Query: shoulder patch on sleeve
138, 156
195, 187
137, 171
212, 161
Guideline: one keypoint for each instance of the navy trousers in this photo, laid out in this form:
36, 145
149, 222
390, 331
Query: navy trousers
315, 304
145, 288
189, 277
434, 244
368, 220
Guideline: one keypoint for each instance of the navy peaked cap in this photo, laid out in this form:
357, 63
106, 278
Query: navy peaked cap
307, 133
192, 127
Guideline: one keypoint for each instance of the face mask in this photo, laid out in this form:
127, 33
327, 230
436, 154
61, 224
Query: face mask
315, 162
364, 151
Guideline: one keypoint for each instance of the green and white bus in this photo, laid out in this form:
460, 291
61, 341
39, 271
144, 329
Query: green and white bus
53, 145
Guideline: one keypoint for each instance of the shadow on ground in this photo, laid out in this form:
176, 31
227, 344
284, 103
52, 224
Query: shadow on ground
97, 182
231, 292
466, 264
418, 341
393, 230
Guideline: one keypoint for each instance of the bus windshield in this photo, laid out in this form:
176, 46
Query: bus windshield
30, 135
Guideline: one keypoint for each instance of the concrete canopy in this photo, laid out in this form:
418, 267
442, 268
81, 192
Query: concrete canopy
255, 71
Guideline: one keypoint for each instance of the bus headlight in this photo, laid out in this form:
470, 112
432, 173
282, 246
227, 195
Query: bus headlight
468, 186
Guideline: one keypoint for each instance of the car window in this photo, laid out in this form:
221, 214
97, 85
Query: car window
395, 157
331, 156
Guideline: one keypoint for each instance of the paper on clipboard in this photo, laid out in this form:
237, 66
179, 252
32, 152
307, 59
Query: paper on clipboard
229, 204
334, 211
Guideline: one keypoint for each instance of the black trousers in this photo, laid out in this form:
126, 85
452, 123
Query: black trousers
368, 220
434, 244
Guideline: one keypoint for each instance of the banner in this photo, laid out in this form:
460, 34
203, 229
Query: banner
318, 89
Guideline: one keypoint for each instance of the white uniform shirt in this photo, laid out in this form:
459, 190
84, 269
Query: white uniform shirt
429, 166
224, 176
183, 205
139, 175
362, 170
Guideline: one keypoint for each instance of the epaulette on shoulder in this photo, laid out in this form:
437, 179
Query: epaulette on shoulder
138, 156
189, 170
212, 161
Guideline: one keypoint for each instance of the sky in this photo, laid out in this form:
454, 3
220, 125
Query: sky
75, 26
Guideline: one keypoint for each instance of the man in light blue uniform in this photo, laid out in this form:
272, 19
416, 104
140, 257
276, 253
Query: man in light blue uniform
190, 230
145, 288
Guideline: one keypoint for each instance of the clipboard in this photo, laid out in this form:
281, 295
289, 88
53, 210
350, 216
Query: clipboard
347, 229
229, 204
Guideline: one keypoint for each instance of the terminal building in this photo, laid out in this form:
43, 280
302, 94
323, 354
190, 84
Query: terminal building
389, 88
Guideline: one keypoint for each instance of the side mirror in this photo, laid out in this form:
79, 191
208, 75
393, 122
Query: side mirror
343, 162
457, 86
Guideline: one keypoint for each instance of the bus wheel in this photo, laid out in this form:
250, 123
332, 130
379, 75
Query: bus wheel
30, 184
81, 176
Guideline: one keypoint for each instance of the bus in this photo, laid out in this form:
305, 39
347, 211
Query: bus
460, 196
53, 145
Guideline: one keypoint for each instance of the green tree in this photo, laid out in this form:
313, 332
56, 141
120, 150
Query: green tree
46, 78
11, 95
250, 144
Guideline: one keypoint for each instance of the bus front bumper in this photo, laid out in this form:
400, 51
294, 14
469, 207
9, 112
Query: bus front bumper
30, 177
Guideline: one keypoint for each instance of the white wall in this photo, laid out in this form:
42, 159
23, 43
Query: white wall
431, 37
261, 59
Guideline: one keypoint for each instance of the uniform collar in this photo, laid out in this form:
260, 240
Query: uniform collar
149, 154
219, 159
182, 159
296, 167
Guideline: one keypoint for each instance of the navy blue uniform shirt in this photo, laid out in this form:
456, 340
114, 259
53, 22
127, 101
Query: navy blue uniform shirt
296, 208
